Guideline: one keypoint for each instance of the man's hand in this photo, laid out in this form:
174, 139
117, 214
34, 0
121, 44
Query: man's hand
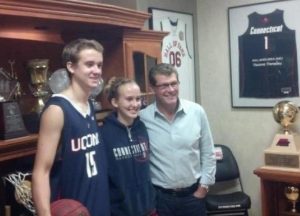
200, 192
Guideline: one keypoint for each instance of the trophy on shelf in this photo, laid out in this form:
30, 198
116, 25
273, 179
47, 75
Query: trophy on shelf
284, 152
95, 92
38, 70
11, 123
59, 80
292, 194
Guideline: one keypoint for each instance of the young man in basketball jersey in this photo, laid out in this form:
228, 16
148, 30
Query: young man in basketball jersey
70, 161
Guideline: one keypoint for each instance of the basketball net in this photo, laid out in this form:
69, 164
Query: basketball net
23, 193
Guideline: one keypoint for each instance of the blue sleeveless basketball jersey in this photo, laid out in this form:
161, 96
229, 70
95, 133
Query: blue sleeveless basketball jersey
80, 169
268, 58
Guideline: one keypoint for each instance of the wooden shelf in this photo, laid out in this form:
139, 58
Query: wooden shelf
57, 21
73, 11
39, 29
18, 147
278, 175
272, 183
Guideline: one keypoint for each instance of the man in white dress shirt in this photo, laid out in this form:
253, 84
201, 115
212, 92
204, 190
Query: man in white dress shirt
182, 159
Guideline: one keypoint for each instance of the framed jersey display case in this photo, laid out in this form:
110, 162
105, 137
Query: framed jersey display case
177, 46
264, 53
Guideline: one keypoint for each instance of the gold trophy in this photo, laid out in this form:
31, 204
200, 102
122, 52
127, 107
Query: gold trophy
292, 193
38, 70
284, 152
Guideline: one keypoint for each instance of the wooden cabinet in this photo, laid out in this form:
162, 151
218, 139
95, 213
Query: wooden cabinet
140, 61
120, 59
272, 183
39, 29
32, 29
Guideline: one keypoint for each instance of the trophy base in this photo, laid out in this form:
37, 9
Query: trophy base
284, 153
38, 106
11, 124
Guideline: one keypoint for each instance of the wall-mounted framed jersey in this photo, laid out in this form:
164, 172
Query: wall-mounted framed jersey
177, 46
264, 53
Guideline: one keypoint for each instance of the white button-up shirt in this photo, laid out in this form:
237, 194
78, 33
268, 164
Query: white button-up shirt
181, 151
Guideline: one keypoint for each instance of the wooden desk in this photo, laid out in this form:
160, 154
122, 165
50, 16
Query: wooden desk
272, 181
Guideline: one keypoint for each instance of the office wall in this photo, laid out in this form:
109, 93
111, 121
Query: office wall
187, 6
247, 131
128, 3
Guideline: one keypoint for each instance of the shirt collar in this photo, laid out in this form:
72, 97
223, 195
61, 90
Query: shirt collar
182, 108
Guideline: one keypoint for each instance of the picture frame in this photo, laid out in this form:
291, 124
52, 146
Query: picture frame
264, 53
177, 46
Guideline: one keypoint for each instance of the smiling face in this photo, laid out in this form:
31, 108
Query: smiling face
166, 90
128, 102
87, 70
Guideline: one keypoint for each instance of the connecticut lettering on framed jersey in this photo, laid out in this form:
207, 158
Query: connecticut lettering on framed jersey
263, 53
177, 46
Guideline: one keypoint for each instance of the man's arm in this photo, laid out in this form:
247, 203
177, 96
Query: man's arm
51, 126
207, 157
